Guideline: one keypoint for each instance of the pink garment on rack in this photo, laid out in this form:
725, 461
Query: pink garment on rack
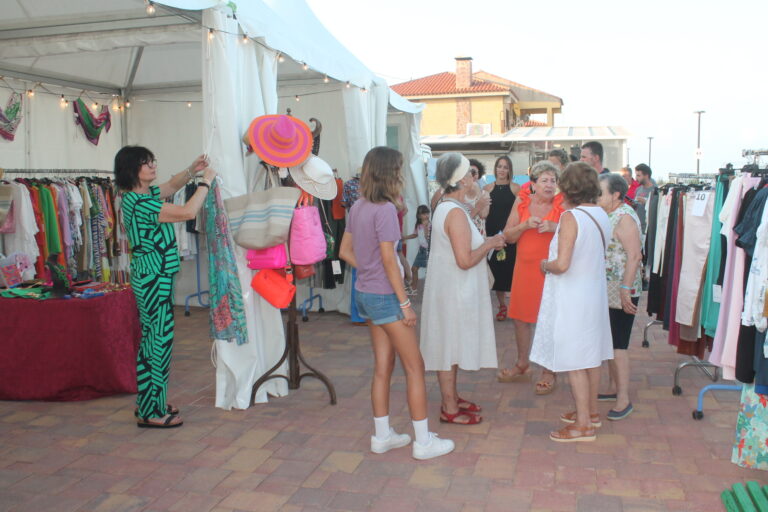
732, 301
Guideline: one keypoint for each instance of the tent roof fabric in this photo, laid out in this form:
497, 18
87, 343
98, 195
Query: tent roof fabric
534, 134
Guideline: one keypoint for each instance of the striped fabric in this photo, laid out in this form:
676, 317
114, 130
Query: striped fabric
153, 243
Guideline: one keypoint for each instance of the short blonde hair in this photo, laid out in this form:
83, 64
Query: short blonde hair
381, 179
541, 167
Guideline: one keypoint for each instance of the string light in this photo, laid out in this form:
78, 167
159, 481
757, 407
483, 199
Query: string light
325, 79
127, 103
364, 89
210, 34
62, 101
95, 105
30, 93
245, 39
305, 66
348, 85
150, 8
115, 107
189, 104
280, 58
297, 98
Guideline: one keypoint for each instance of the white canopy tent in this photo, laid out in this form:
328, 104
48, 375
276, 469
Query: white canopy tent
194, 85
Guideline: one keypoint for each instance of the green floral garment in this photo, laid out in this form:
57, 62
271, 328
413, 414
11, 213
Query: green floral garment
750, 449
616, 257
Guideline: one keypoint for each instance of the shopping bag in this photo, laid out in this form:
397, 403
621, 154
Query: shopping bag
272, 257
307, 239
276, 289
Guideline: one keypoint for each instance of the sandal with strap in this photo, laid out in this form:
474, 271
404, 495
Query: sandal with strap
472, 419
467, 406
570, 417
502, 314
168, 423
515, 374
544, 386
572, 433
169, 409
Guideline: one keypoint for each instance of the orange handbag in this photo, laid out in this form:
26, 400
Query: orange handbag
276, 289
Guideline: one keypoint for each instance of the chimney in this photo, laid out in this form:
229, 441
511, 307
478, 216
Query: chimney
463, 72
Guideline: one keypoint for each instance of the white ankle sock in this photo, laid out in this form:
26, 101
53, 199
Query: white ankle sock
421, 430
382, 427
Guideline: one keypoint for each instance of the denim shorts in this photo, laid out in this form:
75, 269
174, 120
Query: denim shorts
379, 308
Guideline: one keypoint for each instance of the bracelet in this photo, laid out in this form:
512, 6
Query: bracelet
405, 304
204, 184
625, 287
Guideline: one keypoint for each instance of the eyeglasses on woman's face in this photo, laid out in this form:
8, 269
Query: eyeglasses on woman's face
151, 163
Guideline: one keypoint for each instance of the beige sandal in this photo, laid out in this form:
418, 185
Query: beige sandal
545, 387
572, 433
520, 374
570, 417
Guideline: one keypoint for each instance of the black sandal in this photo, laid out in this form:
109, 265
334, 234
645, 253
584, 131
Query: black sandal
145, 423
169, 409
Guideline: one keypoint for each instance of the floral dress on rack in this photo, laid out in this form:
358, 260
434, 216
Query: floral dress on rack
750, 449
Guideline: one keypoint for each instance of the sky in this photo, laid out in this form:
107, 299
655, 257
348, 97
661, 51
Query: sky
644, 65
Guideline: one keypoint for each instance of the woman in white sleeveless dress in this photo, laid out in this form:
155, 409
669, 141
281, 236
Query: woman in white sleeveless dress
456, 323
573, 332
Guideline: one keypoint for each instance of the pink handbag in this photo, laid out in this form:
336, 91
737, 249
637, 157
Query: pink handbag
271, 257
307, 238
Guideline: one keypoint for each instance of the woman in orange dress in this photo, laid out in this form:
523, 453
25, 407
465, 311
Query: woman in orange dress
532, 224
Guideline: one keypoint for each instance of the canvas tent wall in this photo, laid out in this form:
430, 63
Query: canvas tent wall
110, 51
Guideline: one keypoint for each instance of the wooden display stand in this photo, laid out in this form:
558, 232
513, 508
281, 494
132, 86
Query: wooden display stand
292, 353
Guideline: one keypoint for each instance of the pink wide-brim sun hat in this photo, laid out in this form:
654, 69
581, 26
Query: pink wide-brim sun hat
280, 140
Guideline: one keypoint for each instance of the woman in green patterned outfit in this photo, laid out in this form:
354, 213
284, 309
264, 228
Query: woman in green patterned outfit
154, 261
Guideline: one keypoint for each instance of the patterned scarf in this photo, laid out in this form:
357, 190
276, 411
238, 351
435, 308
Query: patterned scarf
10, 117
92, 126
226, 296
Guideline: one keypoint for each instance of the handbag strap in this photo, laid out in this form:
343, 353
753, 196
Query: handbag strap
602, 236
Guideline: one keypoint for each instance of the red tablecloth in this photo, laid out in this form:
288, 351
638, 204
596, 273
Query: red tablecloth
68, 349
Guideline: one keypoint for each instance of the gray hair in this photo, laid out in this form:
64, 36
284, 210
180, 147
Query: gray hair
616, 183
541, 167
446, 165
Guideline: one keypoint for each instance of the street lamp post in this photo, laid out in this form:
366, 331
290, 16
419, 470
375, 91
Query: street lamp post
698, 140
650, 140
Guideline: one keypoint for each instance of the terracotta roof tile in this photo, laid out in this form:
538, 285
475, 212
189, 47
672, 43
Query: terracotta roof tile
532, 122
444, 83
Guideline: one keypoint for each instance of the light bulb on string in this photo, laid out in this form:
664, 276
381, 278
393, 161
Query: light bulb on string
245, 39
325, 79
210, 34
63, 101
280, 58
189, 104
297, 98
127, 103
348, 85
305, 66
150, 8
30, 93
115, 107
364, 89
95, 105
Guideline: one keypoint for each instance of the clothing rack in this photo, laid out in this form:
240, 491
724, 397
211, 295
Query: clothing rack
81, 172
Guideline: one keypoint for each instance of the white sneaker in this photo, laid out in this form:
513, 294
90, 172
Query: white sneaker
435, 448
394, 440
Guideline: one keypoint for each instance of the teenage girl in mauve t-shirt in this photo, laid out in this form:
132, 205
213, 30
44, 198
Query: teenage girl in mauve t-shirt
369, 241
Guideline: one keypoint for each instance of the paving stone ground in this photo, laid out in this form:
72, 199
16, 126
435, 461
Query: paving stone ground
298, 453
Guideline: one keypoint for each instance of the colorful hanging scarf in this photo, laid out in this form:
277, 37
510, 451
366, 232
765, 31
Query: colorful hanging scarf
226, 295
10, 117
92, 126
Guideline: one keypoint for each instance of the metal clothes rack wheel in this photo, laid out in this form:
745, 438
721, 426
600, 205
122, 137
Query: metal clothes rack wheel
308, 303
698, 413
199, 294
293, 354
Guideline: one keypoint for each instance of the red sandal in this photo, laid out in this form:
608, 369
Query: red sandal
472, 419
468, 406
502, 314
